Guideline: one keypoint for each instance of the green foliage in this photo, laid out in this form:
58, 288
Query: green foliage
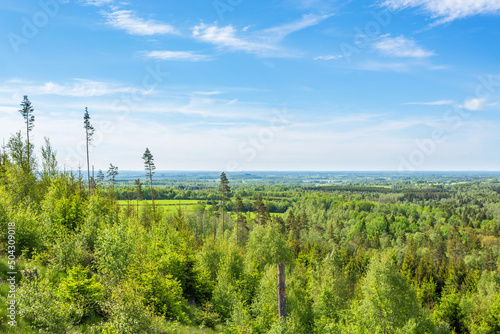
39, 305
408, 257
30, 232
114, 246
267, 246
389, 303
265, 305
67, 251
450, 311
63, 205
126, 312
77, 288
226, 295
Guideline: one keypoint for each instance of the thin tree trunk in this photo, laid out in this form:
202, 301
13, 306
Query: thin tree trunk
151, 186
88, 161
28, 137
222, 216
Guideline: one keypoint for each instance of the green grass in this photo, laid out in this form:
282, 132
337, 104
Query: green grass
162, 202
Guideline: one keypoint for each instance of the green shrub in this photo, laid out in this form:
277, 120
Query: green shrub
40, 307
77, 288
126, 312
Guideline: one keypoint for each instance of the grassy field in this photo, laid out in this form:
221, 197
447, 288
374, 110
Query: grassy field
162, 202
165, 204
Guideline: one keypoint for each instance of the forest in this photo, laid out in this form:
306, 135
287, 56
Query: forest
411, 255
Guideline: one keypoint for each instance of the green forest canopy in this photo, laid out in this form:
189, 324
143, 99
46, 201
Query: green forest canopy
399, 254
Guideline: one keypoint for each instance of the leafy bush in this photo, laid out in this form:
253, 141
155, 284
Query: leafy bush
40, 306
77, 288
114, 246
126, 312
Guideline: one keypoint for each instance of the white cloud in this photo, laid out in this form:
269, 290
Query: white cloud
207, 93
77, 88
128, 21
329, 57
97, 2
474, 104
280, 32
448, 10
434, 103
400, 47
176, 55
263, 42
226, 37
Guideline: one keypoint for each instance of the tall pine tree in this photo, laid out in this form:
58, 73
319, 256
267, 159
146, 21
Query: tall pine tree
29, 119
89, 133
225, 191
149, 166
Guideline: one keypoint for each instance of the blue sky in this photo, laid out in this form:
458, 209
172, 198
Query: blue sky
258, 85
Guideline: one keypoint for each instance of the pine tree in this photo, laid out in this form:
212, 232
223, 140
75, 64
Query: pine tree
138, 193
112, 173
149, 166
89, 133
100, 177
225, 191
29, 119
260, 210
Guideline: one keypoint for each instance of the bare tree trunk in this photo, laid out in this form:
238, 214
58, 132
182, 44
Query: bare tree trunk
222, 216
88, 160
151, 186
28, 137
215, 226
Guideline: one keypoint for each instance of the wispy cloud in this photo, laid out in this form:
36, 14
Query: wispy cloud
77, 88
474, 104
329, 57
448, 10
128, 21
97, 2
264, 42
434, 103
400, 47
176, 55
207, 93
226, 37
279, 32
